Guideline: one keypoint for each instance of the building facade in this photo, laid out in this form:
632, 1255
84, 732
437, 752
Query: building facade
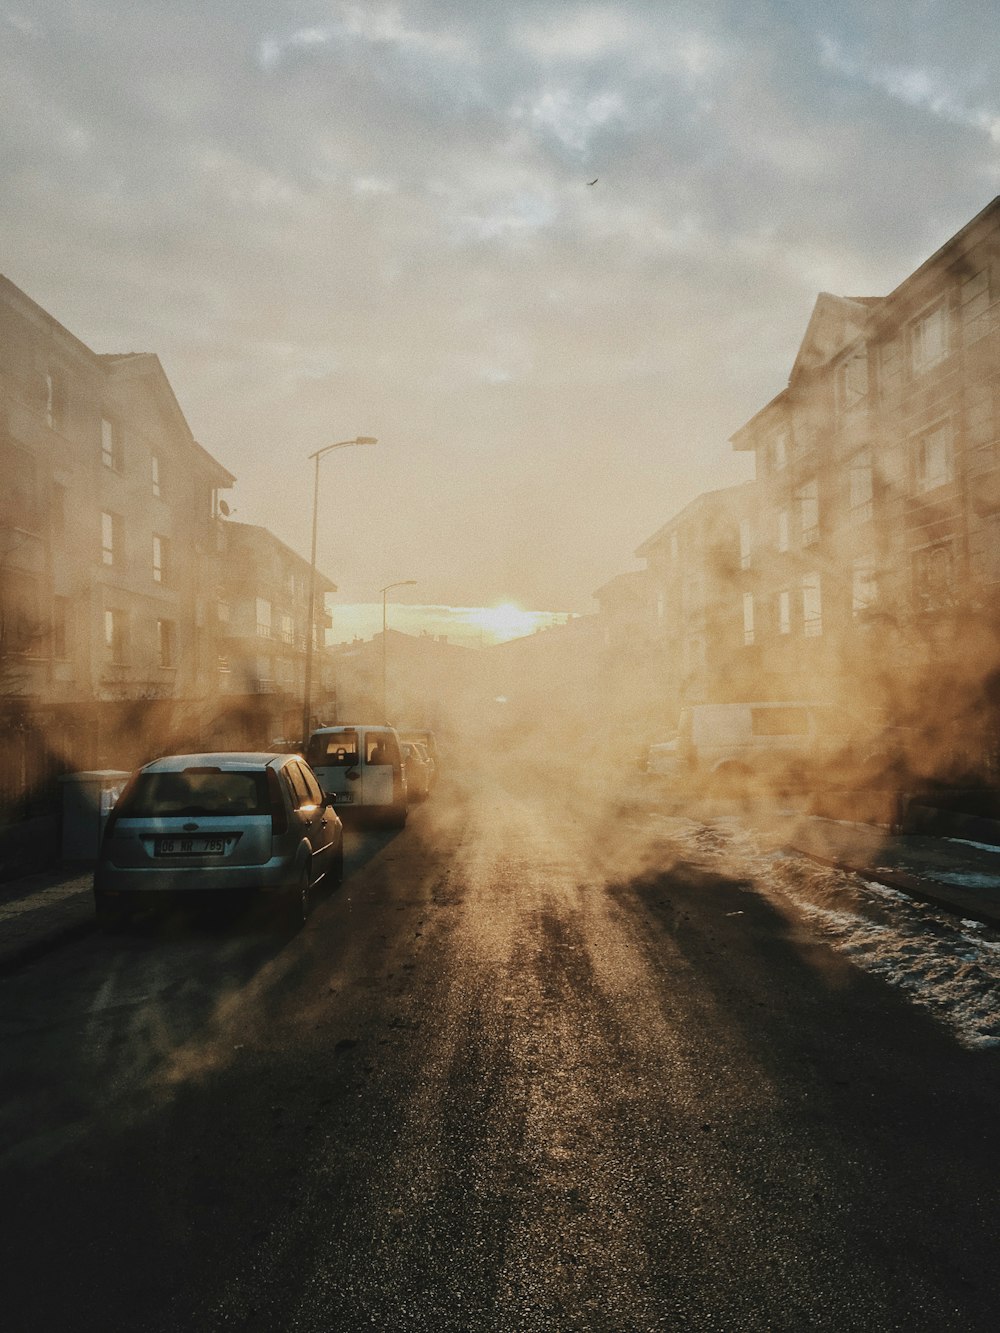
135, 616
875, 566
261, 611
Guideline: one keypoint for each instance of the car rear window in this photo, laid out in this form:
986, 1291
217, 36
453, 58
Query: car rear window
338, 750
196, 791
779, 721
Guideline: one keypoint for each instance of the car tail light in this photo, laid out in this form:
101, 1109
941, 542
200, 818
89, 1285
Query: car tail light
279, 814
119, 805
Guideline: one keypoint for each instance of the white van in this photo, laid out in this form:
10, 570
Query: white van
739, 744
361, 769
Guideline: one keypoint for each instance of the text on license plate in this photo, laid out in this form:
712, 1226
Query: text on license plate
343, 797
191, 846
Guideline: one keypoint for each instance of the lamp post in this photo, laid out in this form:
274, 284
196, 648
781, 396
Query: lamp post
403, 583
310, 627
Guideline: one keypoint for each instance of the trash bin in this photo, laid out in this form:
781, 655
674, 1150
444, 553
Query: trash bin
87, 799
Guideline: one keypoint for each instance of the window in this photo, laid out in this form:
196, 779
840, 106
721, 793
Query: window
161, 559
154, 469
263, 618
55, 400
114, 635
746, 543
60, 627
287, 630
864, 589
296, 778
861, 487
111, 539
265, 673
20, 501
748, 618
934, 457
165, 643
784, 612
933, 576
890, 369
852, 380
812, 607
112, 454
807, 499
929, 339
779, 721
974, 297
782, 529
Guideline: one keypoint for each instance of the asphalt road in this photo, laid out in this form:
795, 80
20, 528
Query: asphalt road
524, 1071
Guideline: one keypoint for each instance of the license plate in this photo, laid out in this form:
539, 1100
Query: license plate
343, 797
191, 847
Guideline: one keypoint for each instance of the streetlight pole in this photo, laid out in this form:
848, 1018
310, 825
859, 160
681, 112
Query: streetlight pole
310, 627
403, 583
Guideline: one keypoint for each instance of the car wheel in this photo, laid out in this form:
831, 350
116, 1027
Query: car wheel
397, 815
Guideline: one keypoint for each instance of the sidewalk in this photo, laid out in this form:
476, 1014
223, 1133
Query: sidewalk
40, 912
962, 876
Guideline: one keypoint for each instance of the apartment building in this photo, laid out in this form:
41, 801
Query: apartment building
261, 611
109, 515
876, 558
694, 572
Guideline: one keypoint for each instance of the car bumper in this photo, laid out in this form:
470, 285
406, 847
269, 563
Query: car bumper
188, 882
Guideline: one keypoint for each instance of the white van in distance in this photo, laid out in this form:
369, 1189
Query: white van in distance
361, 768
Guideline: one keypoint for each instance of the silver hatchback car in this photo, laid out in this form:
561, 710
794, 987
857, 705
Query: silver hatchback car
242, 827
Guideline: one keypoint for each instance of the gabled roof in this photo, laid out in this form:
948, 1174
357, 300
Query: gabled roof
708, 499
255, 535
835, 321
147, 365
621, 584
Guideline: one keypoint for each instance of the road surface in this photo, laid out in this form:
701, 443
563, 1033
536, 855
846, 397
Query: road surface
530, 1068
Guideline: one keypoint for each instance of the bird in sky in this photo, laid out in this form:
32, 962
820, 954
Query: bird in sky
594, 181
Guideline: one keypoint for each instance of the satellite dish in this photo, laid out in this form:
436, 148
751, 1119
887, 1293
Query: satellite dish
223, 509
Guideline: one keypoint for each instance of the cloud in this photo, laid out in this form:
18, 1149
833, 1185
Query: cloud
924, 88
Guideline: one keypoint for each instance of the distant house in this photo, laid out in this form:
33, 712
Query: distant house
261, 611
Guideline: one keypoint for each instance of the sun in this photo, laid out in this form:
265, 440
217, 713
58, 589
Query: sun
506, 621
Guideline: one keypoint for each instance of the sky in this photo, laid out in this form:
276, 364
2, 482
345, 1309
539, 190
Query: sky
337, 219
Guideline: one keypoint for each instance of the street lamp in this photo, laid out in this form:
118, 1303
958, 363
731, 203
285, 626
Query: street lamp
310, 627
403, 583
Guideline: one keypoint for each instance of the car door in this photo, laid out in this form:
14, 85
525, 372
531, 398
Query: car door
312, 814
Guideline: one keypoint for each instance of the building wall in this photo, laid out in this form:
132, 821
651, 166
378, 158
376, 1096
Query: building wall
77, 435
876, 563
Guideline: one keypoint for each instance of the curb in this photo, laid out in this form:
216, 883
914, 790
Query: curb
953, 899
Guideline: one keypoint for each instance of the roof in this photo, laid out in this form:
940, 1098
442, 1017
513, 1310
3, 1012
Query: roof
267, 538
699, 502
225, 759
148, 364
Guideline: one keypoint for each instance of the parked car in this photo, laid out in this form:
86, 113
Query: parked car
194, 827
428, 740
419, 771
362, 769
